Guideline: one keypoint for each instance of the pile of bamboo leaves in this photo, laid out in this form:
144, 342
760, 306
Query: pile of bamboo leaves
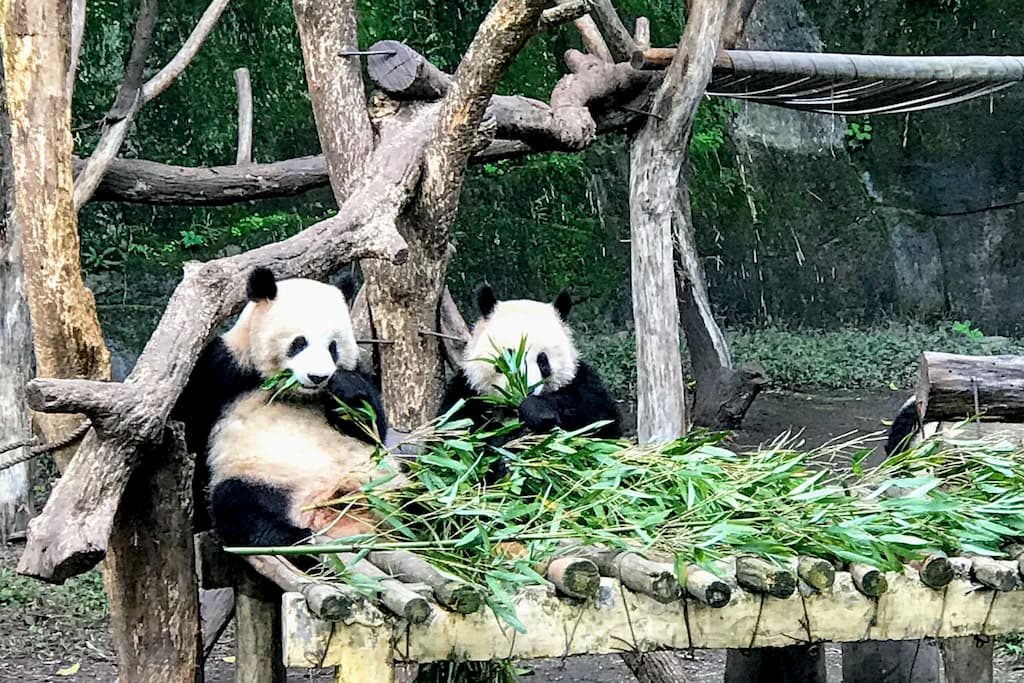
691, 500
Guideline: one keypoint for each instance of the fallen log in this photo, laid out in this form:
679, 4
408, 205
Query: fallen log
954, 387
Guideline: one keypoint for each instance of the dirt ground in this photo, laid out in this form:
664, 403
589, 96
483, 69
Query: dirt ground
49, 634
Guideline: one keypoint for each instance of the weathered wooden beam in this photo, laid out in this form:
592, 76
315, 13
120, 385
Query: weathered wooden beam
396, 596
954, 387
761, 576
1000, 575
637, 573
934, 570
708, 588
329, 601
909, 610
817, 573
258, 633
451, 592
574, 576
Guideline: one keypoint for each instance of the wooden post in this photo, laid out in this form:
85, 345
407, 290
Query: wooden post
953, 387
793, 664
257, 630
150, 574
903, 661
15, 344
967, 659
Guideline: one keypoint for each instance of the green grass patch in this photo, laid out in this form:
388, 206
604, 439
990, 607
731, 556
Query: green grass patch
81, 596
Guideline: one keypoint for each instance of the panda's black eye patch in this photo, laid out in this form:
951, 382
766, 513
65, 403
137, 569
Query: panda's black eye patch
544, 365
296, 346
333, 350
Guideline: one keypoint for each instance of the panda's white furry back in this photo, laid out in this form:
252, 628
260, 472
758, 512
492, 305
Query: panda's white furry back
569, 393
267, 460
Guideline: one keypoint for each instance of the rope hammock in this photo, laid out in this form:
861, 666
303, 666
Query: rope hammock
850, 84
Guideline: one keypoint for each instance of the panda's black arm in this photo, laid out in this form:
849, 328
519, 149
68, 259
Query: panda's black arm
353, 388
582, 402
477, 411
245, 513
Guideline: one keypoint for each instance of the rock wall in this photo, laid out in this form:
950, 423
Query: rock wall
924, 219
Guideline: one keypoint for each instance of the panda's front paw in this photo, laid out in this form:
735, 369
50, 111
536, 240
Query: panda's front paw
351, 388
536, 415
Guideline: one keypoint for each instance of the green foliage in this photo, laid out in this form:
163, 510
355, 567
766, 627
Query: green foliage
858, 134
81, 596
967, 329
691, 499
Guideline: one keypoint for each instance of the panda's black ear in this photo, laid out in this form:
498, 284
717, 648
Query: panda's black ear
347, 284
262, 285
485, 300
563, 303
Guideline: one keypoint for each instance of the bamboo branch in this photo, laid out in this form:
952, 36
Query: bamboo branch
243, 156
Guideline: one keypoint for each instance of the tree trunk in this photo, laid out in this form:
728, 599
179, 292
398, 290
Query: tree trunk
67, 337
15, 345
657, 161
952, 387
150, 574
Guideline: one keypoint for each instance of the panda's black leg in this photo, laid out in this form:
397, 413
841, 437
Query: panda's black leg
245, 513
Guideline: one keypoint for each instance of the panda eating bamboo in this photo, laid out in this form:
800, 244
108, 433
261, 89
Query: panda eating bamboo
269, 459
569, 394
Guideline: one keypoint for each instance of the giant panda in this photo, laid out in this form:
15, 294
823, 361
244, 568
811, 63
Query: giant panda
266, 460
569, 393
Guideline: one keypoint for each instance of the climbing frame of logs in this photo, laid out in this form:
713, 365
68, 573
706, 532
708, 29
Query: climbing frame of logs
600, 601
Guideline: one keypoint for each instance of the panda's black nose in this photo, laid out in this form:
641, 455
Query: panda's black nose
317, 379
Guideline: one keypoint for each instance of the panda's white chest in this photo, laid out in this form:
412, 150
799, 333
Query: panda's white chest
286, 445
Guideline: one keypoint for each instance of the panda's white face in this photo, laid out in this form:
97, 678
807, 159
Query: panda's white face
551, 356
304, 328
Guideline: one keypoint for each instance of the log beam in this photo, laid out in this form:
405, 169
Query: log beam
954, 387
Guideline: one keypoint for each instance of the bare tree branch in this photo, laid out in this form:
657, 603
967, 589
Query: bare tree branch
736, 15
126, 103
496, 43
591, 36
163, 78
77, 32
619, 41
567, 10
243, 156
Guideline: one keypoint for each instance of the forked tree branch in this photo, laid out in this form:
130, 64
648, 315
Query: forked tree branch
591, 36
620, 42
126, 103
497, 41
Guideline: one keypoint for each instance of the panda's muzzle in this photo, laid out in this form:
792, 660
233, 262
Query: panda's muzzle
317, 380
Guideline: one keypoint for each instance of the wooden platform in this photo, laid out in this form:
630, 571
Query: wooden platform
620, 620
